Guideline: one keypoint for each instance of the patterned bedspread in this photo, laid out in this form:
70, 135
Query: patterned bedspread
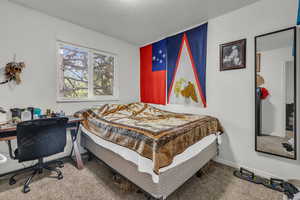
153, 133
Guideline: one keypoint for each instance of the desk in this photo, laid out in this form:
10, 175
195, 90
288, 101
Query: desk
9, 132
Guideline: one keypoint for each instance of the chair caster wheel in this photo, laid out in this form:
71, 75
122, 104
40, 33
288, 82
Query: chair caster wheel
139, 191
60, 176
12, 181
26, 189
151, 198
199, 174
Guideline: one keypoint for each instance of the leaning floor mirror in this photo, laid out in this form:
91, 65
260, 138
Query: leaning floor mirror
275, 93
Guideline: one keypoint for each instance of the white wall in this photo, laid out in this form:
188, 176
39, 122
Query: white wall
230, 94
32, 36
273, 108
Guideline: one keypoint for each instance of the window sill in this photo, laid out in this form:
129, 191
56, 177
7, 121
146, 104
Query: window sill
102, 99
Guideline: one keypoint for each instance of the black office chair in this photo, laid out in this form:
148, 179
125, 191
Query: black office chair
38, 139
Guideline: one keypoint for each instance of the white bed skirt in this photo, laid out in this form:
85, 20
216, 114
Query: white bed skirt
146, 165
169, 179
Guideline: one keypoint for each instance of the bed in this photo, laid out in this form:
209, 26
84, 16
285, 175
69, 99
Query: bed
155, 149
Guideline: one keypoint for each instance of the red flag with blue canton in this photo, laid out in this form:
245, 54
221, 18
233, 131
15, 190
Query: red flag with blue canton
153, 66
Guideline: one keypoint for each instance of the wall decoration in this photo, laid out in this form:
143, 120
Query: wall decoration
153, 59
12, 72
233, 55
187, 67
188, 91
177, 65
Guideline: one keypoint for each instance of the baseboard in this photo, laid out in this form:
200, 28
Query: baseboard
258, 172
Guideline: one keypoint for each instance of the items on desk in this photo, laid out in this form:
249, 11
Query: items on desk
17, 115
25, 114
20, 114
62, 113
16, 112
37, 112
48, 112
51, 113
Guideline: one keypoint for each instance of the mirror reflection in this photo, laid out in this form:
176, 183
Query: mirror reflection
275, 93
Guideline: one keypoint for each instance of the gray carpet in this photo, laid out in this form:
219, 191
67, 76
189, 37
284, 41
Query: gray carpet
94, 182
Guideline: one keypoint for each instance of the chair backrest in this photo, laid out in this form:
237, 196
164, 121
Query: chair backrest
41, 138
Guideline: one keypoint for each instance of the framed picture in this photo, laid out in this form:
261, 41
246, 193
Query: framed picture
233, 55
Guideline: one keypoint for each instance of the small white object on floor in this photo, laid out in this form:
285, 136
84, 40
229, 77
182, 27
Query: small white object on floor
3, 159
292, 142
297, 196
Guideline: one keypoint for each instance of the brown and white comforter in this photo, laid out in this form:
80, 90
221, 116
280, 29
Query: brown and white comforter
153, 133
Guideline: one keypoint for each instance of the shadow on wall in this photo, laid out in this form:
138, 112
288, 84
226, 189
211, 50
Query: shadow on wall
226, 148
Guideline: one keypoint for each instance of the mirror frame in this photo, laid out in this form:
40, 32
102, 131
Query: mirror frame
257, 129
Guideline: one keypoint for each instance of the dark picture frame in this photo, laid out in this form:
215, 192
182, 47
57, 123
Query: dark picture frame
233, 55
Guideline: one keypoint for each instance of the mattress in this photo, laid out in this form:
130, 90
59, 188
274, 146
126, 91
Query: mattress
145, 165
153, 133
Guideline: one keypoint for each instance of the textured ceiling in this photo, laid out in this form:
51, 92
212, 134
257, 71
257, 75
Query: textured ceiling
135, 21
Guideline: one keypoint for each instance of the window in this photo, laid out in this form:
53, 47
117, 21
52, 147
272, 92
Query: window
85, 74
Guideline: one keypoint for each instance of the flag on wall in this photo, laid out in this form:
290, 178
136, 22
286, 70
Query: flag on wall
186, 76
153, 60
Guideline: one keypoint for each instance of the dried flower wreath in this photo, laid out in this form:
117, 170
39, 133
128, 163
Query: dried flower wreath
12, 72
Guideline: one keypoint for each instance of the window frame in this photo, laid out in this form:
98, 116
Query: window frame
91, 97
